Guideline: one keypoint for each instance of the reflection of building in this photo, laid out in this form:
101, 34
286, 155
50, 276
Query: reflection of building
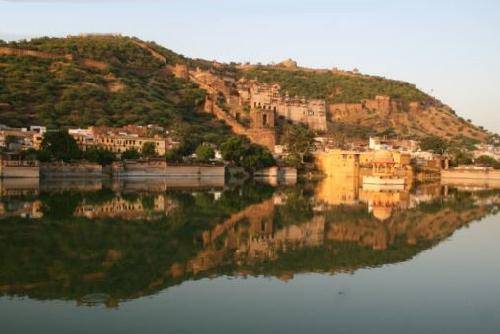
119, 140
21, 208
19, 186
382, 201
123, 208
338, 190
382, 204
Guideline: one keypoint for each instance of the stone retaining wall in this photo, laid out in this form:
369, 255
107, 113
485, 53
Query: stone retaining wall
69, 170
161, 168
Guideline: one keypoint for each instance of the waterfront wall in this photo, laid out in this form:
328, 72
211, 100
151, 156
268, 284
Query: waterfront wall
475, 174
70, 170
15, 169
162, 168
488, 178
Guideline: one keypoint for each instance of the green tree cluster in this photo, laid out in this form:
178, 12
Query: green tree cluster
335, 87
434, 144
488, 161
204, 153
252, 157
299, 140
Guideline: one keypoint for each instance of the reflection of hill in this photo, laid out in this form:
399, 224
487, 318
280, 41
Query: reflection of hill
239, 232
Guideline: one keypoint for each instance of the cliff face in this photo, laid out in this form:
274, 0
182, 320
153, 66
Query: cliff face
413, 119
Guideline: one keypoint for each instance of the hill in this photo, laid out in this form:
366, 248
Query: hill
115, 80
102, 80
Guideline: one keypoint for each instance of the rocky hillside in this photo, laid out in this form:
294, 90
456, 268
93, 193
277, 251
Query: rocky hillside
114, 80
361, 105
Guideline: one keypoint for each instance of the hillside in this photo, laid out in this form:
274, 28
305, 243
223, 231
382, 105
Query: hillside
103, 80
115, 80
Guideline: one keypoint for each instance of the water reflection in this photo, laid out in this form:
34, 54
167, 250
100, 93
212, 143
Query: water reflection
105, 243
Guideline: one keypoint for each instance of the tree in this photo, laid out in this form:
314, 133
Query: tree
100, 156
249, 156
148, 149
233, 149
488, 161
246, 155
60, 145
256, 157
204, 153
434, 144
299, 140
131, 154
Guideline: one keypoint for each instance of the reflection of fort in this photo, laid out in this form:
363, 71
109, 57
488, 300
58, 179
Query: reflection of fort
381, 201
122, 208
279, 236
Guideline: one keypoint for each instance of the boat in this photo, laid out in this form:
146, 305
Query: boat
383, 180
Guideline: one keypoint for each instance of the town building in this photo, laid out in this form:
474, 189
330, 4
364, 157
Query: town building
18, 139
119, 140
377, 143
338, 162
491, 151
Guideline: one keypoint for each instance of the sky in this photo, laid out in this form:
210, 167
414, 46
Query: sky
450, 49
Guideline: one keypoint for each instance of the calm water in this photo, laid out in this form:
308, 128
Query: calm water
157, 256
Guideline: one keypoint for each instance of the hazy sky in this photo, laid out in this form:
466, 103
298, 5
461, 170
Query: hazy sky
448, 48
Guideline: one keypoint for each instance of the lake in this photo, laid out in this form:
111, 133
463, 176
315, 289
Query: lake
156, 256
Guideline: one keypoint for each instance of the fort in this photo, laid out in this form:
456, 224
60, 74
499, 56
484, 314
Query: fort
251, 108
311, 112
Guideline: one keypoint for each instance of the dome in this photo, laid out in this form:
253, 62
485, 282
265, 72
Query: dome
383, 157
382, 213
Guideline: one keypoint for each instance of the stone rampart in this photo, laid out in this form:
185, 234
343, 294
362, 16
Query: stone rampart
87, 62
153, 53
6, 51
